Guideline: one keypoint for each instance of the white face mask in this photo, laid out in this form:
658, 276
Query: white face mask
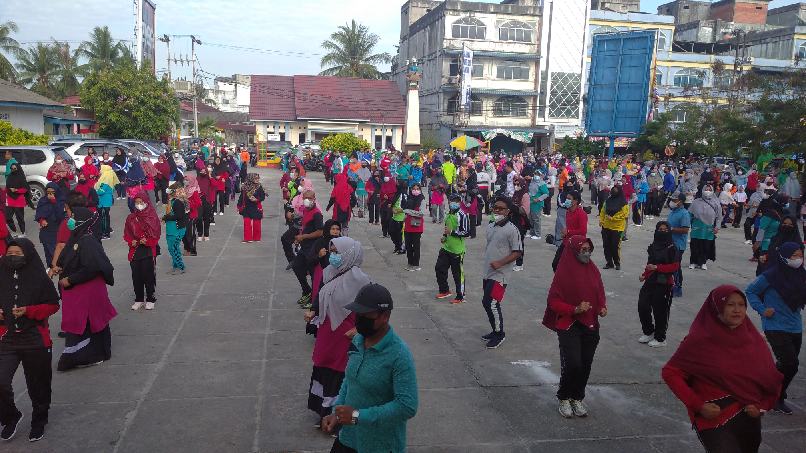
385, 179
765, 196
707, 193
140, 206
499, 217
307, 202
794, 262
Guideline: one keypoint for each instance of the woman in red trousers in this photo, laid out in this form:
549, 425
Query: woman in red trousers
250, 207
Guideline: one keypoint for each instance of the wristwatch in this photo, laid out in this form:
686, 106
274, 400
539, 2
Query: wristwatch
355, 417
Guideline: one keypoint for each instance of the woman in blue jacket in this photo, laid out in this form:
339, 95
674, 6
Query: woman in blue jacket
778, 296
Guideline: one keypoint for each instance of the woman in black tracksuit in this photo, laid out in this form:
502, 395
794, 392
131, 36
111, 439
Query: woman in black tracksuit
655, 297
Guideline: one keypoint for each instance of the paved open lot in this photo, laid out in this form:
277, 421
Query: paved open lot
223, 363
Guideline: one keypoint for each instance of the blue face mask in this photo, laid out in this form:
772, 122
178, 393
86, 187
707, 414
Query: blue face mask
335, 259
567, 204
71, 224
454, 206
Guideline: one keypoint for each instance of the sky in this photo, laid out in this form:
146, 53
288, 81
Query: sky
284, 36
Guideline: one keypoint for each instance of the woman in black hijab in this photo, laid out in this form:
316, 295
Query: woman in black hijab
787, 232
120, 165
655, 297
87, 310
414, 225
29, 299
16, 198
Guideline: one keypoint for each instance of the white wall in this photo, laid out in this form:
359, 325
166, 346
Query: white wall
29, 119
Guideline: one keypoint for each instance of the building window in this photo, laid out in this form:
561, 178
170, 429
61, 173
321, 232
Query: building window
658, 77
802, 51
515, 30
469, 28
565, 90
679, 113
688, 78
604, 29
724, 80
512, 70
661, 44
511, 106
478, 69
475, 105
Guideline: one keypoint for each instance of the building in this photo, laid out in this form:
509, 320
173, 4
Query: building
23, 108
73, 121
304, 108
705, 22
793, 15
523, 85
231, 94
618, 6
686, 11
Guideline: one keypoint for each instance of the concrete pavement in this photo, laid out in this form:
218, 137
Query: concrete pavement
223, 364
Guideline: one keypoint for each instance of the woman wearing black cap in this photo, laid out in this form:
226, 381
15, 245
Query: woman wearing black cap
29, 299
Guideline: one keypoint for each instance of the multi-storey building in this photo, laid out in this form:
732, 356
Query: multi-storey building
618, 6
231, 94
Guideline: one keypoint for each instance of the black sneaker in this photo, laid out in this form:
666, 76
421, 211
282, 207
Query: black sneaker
37, 433
780, 406
488, 337
496, 341
11, 428
618, 267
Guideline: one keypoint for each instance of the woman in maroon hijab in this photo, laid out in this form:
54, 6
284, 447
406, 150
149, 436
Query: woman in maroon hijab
576, 300
724, 374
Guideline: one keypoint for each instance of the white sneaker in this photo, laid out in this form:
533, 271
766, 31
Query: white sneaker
136, 306
704, 267
418, 268
748, 242
536, 237
517, 268
645, 339
656, 344
21, 235
691, 266
565, 409
212, 223
579, 409
149, 305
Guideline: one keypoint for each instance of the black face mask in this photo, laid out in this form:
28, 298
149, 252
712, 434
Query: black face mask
365, 326
663, 237
14, 262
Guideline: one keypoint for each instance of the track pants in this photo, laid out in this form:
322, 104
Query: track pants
445, 261
36, 365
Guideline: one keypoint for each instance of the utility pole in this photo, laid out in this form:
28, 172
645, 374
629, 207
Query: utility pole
193, 42
167, 40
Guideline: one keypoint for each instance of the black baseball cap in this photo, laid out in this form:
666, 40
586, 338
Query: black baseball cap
681, 196
371, 298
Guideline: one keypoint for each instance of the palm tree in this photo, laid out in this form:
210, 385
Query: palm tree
68, 70
38, 67
102, 51
8, 45
350, 53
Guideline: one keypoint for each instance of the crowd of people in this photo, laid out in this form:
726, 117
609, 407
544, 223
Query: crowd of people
363, 385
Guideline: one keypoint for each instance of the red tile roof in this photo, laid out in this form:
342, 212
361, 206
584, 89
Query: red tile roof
72, 100
329, 98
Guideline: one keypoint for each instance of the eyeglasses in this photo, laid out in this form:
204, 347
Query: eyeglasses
500, 209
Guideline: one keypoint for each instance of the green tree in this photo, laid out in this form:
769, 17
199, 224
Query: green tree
581, 146
350, 53
130, 102
10, 135
102, 52
37, 68
10, 46
68, 70
207, 127
345, 143
429, 140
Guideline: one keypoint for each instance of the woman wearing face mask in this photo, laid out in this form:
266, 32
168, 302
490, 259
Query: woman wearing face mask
724, 374
61, 173
175, 223
374, 186
705, 212
612, 218
104, 188
576, 300
343, 279
120, 164
86, 186
161, 180
414, 224
470, 206
770, 215
398, 217
740, 198
16, 198
49, 214
341, 200
251, 208
206, 213
655, 297
520, 218
388, 194
29, 299
778, 296
787, 232
220, 175
193, 204
86, 309
319, 259
141, 233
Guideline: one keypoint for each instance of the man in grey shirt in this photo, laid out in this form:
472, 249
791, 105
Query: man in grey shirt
503, 248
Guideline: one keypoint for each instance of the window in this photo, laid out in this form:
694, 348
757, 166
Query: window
469, 28
16, 154
661, 44
478, 69
513, 70
679, 113
301, 137
475, 105
802, 51
515, 30
724, 80
688, 78
658, 77
32, 157
512, 106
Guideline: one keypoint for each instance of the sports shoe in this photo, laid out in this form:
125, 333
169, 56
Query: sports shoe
417, 268
36, 433
457, 301
488, 337
608, 266
537, 237
578, 408
565, 409
410, 268
692, 266
444, 295
517, 268
645, 339
704, 267
149, 305
677, 292
618, 267
136, 306
496, 340
656, 344
781, 407
21, 236
11, 429
748, 242
304, 299
212, 223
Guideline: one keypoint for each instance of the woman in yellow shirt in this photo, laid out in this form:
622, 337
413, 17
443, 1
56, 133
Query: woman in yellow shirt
612, 219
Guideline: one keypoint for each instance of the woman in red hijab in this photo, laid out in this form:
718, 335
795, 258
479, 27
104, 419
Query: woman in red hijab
142, 234
340, 198
161, 180
724, 374
388, 192
576, 300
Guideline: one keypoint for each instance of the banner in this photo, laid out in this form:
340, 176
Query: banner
467, 75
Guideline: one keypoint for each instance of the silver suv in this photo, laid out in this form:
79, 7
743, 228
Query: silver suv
35, 161
77, 149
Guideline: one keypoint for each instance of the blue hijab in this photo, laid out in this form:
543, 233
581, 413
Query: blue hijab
135, 175
52, 212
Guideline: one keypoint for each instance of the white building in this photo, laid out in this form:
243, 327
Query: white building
232, 94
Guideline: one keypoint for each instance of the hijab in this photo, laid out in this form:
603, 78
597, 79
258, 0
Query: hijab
135, 175
517, 197
149, 169
145, 223
615, 202
341, 192
251, 184
16, 179
706, 209
60, 170
191, 186
788, 282
737, 361
575, 282
52, 212
107, 177
662, 249
120, 158
35, 287
85, 242
341, 284
414, 201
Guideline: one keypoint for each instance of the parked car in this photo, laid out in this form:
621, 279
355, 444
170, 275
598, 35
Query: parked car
144, 148
277, 148
35, 161
78, 149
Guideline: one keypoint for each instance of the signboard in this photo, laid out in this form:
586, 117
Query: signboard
272, 137
145, 31
467, 75
619, 82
